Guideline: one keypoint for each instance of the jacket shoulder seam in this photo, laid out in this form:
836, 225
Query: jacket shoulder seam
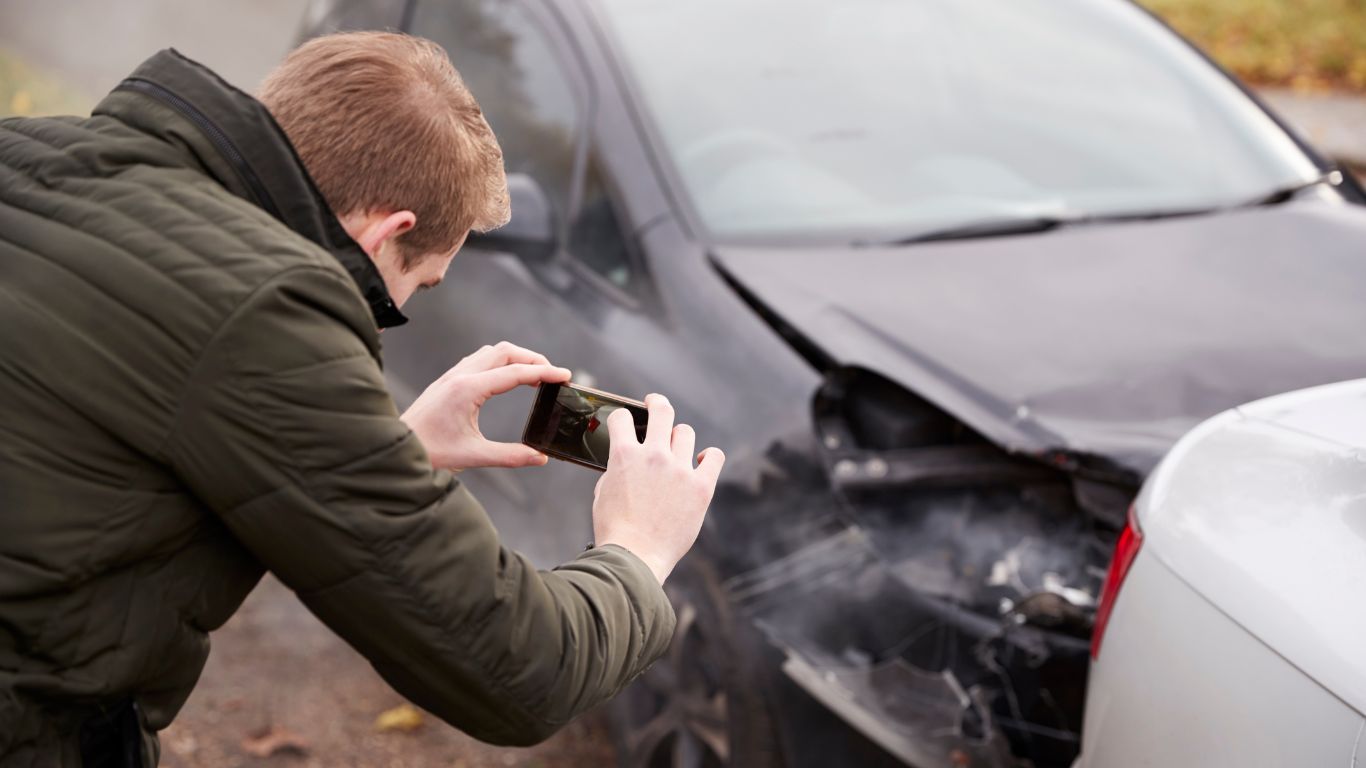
192, 377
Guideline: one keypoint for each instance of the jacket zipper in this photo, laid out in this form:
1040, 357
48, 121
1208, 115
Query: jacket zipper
216, 136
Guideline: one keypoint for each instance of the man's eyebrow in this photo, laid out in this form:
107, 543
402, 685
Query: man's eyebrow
432, 283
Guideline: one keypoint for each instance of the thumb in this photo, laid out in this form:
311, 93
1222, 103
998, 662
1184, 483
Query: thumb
709, 463
491, 454
621, 429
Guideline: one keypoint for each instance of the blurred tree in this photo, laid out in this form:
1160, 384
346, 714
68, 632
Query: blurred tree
25, 91
1302, 44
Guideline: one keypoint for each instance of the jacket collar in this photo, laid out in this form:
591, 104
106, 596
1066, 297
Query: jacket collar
243, 148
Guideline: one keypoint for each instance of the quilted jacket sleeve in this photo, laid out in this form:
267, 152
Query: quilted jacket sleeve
288, 434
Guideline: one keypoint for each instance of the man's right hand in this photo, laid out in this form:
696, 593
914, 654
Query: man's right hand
446, 416
652, 500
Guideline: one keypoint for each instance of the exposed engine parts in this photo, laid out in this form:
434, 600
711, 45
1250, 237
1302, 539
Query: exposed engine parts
938, 591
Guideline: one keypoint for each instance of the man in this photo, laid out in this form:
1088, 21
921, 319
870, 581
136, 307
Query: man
191, 293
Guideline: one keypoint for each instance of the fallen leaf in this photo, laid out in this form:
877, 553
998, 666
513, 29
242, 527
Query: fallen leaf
404, 717
275, 741
179, 741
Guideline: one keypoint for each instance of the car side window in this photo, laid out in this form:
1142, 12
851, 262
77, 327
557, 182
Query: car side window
596, 237
324, 16
511, 67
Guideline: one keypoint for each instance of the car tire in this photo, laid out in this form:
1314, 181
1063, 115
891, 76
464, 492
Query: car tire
702, 705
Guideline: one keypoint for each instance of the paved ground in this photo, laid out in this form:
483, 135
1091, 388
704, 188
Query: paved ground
276, 671
1335, 123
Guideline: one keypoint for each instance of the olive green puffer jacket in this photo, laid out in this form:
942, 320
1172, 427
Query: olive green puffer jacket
190, 394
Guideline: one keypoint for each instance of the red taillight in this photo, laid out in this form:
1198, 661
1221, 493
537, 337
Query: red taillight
1130, 539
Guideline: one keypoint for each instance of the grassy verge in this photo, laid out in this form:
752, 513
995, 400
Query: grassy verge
1303, 44
25, 91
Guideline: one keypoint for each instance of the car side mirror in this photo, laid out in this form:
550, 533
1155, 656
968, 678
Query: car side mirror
531, 230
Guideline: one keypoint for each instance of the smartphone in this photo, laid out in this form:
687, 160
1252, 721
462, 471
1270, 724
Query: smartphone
569, 422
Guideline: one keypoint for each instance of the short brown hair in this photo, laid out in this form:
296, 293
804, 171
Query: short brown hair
382, 121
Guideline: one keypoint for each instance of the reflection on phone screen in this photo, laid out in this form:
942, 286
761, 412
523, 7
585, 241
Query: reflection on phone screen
576, 426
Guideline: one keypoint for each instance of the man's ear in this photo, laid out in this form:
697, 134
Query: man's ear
379, 229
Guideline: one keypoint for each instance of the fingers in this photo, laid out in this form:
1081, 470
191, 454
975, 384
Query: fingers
709, 464
509, 377
491, 454
621, 430
683, 443
661, 425
487, 358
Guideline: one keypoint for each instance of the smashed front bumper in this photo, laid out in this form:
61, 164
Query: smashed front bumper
929, 681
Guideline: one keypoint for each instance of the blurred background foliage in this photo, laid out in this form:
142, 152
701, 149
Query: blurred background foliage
26, 91
1308, 45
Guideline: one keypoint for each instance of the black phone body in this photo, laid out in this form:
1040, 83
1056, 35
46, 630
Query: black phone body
569, 422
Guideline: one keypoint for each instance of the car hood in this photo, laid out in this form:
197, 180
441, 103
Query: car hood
1106, 339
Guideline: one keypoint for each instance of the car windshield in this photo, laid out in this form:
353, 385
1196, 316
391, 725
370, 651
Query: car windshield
861, 119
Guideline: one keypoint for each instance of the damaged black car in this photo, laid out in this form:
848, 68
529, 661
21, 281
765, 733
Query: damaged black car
945, 278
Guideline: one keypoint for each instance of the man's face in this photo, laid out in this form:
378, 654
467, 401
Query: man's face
377, 234
427, 272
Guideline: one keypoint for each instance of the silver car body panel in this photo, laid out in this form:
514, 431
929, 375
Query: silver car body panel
1179, 683
1268, 522
1237, 635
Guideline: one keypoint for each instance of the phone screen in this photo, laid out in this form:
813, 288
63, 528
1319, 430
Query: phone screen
569, 422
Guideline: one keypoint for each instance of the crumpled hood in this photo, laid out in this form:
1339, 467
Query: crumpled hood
1109, 339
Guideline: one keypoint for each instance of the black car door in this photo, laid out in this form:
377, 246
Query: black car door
568, 304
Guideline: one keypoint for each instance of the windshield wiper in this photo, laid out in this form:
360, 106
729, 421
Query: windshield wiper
1022, 225
1285, 192
1012, 225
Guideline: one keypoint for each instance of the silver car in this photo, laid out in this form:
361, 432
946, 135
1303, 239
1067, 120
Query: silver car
1232, 629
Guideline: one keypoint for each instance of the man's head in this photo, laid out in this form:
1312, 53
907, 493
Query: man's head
397, 146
